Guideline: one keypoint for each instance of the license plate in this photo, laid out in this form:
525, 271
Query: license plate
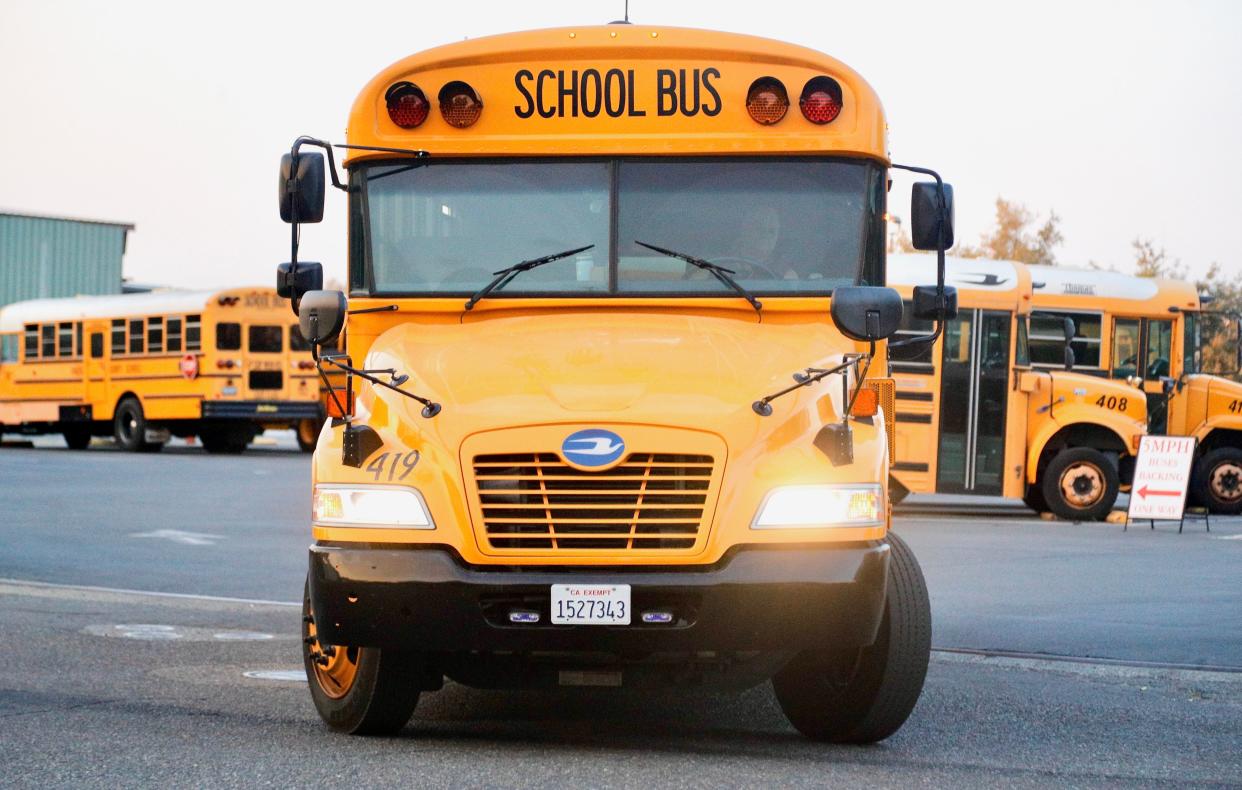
591, 604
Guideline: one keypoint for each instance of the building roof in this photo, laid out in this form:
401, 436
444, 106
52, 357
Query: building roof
28, 215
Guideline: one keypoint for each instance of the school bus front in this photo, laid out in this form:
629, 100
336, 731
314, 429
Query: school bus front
602, 427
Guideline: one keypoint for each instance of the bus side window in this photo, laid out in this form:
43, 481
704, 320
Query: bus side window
32, 341
97, 345
135, 335
8, 348
1022, 352
118, 337
155, 335
918, 356
173, 335
1190, 344
1048, 338
1125, 347
193, 333
64, 346
47, 337
228, 337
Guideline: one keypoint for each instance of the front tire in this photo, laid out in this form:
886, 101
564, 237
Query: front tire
358, 690
1080, 484
864, 696
1217, 480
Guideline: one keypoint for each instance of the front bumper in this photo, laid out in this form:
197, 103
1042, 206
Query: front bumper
261, 410
754, 599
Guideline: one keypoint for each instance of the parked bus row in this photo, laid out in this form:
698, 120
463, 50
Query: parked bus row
1046, 380
221, 366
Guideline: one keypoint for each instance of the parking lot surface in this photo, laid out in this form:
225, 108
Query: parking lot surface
1067, 655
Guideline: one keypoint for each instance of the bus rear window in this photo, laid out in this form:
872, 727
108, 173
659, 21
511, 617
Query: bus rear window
228, 337
296, 341
266, 339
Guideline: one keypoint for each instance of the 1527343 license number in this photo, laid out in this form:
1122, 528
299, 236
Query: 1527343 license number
585, 604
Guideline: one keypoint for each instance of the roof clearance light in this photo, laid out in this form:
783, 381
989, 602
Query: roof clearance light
407, 105
767, 101
459, 104
821, 100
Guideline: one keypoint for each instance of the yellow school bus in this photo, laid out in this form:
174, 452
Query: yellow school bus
1147, 331
975, 415
219, 365
614, 340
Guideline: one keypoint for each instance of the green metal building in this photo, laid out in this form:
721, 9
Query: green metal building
43, 257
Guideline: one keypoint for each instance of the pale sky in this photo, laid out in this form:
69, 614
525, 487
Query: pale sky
1124, 117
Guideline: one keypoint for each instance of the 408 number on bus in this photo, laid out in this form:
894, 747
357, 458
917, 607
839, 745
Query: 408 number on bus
1113, 402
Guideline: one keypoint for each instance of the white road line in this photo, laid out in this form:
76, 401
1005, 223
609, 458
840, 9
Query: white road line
178, 536
149, 593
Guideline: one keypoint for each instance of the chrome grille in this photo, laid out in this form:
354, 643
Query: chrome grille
537, 501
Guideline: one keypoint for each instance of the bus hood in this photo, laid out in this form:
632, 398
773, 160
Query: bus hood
1070, 389
695, 371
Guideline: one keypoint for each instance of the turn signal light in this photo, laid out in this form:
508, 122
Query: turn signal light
340, 400
866, 403
767, 100
407, 105
459, 104
821, 100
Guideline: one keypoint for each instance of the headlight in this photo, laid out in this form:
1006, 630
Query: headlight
821, 506
370, 506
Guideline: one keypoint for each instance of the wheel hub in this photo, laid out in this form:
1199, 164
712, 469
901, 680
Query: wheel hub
1226, 481
1082, 484
334, 666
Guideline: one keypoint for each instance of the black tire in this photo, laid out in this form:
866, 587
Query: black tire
129, 427
78, 437
381, 695
864, 696
1034, 498
225, 441
1080, 484
1217, 480
307, 432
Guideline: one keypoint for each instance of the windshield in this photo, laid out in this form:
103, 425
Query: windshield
784, 227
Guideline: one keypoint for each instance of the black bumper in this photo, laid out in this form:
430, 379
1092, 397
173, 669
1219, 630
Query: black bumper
261, 410
754, 599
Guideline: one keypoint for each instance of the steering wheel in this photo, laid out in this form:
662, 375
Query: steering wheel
755, 266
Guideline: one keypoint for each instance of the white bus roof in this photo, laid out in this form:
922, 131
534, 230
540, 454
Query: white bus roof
76, 308
975, 274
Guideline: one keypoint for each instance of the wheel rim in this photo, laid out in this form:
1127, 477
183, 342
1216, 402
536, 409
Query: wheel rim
1226, 482
1082, 484
335, 667
129, 425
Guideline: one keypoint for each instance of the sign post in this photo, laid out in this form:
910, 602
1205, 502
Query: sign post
1161, 477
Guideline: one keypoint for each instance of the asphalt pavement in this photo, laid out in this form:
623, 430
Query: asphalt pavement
1139, 683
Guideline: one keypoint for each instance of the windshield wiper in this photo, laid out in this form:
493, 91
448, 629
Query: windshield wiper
503, 276
719, 272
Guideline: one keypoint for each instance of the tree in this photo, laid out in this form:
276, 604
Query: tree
1014, 238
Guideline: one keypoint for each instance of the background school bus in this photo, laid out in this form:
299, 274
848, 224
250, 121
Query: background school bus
219, 365
1149, 331
975, 416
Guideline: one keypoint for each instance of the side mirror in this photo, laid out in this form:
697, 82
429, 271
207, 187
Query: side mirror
1069, 357
926, 219
927, 304
322, 316
292, 284
1067, 326
864, 312
302, 187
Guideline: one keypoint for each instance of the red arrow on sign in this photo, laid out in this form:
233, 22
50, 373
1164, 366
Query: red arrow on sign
1144, 492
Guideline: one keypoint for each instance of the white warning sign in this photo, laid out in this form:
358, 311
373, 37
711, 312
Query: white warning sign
1161, 476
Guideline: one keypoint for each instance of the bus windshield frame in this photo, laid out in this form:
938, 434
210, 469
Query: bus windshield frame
727, 216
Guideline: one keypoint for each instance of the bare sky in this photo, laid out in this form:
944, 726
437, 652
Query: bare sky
1124, 117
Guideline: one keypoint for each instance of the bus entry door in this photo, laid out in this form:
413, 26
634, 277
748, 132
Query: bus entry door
974, 388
